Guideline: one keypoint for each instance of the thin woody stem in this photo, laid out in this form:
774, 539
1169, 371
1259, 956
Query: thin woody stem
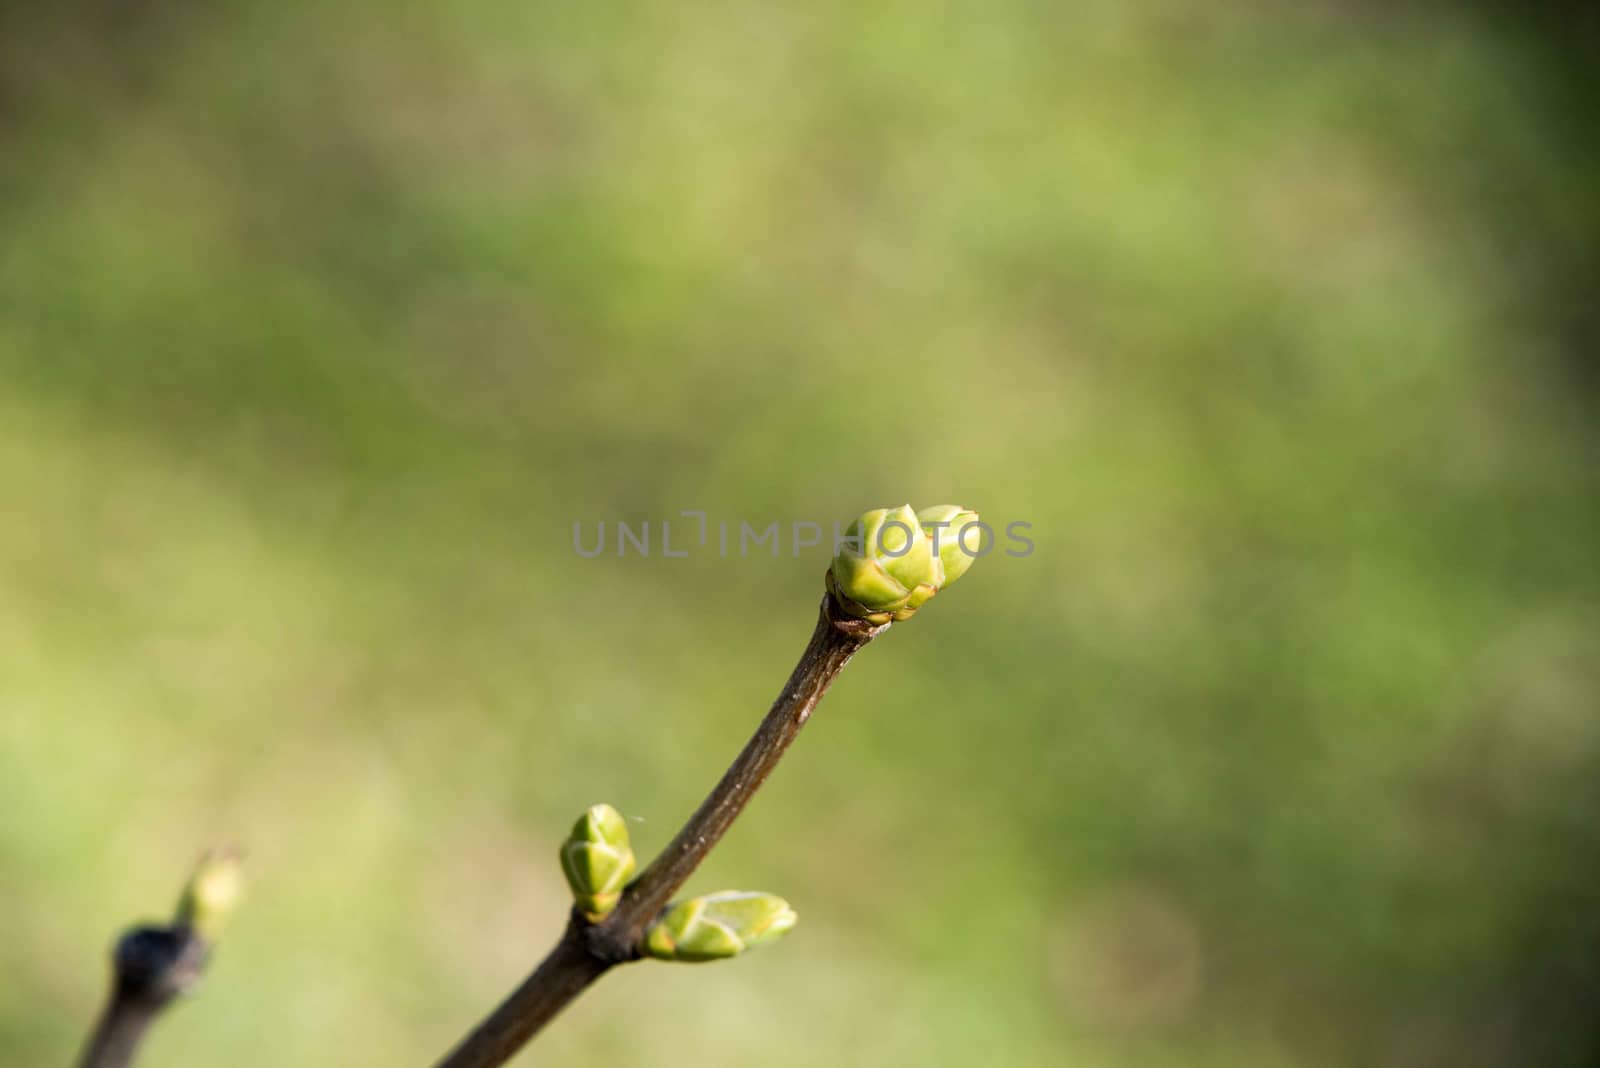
587, 950
117, 1035
152, 966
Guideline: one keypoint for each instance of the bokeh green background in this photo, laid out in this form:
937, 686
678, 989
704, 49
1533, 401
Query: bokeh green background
321, 324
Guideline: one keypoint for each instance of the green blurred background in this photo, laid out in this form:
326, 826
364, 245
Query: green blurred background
321, 324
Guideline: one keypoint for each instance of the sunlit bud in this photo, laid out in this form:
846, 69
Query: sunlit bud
211, 893
943, 524
597, 860
718, 926
886, 568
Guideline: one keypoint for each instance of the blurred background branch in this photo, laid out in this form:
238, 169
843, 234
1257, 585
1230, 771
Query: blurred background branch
153, 965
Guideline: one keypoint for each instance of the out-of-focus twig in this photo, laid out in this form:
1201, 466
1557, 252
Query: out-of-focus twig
153, 964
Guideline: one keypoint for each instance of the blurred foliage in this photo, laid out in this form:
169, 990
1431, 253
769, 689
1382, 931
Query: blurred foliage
320, 325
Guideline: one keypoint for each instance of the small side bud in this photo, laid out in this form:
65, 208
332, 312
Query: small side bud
718, 926
211, 893
597, 860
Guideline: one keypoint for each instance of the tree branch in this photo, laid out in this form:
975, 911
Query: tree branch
587, 950
151, 967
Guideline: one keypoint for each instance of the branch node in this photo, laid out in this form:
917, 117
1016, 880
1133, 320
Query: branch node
607, 943
156, 964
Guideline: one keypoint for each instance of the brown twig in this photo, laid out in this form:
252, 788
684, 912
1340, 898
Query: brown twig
153, 964
150, 967
587, 950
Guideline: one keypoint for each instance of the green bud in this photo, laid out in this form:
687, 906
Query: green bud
943, 523
211, 893
887, 568
718, 926
597, 860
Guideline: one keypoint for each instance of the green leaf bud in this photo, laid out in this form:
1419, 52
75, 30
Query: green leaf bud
943, 523
211, 893
887, 568
597, 860
718, 926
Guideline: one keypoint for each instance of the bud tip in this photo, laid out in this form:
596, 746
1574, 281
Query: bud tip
212, 892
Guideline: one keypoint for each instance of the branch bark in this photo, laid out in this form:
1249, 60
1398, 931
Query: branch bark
587, 950
116, 1037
